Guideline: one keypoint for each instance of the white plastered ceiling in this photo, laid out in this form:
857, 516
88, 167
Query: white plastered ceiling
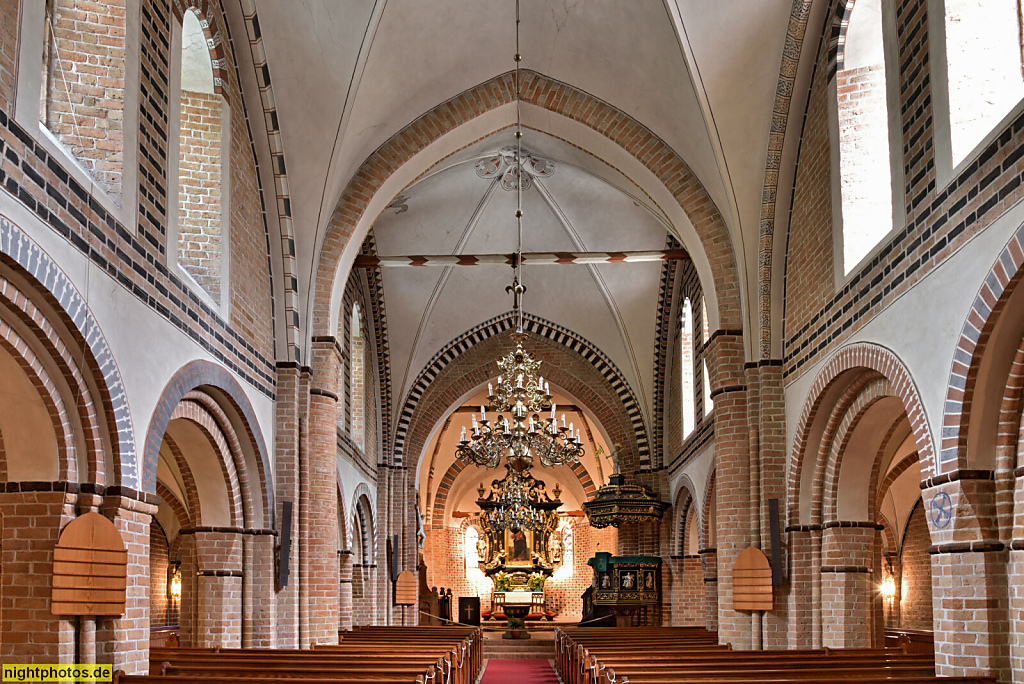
350, 74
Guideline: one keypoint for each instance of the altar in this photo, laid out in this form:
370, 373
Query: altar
519, 560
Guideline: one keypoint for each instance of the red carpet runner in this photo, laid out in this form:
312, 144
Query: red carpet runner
519, 672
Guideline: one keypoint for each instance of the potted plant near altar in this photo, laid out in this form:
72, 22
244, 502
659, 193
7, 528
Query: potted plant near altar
536, 581
502, 581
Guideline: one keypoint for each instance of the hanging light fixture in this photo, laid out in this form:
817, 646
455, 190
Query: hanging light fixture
519, 433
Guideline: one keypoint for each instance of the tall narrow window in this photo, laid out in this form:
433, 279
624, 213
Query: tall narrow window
200, 162
473, 571
984, 66
686, 367
567, 567
709, 404
865, 171
82, 92
357, 377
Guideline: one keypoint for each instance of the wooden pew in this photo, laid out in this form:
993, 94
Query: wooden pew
661, 655
377, 655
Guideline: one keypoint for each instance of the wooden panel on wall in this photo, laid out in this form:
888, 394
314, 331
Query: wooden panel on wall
406, 591
752, 581
89, 568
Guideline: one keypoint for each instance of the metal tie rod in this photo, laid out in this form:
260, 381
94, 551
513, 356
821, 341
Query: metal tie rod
531, 258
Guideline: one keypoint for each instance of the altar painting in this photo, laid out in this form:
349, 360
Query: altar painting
519, 548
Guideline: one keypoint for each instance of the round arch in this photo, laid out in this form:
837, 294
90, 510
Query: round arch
228, 396
25, 257
398, 162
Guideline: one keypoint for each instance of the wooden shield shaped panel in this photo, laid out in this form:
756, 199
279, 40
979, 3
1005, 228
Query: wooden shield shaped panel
90, 568
752, 581
406, 589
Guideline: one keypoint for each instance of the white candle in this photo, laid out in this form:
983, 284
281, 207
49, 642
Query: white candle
552, 411
499, 381
483, 413
540, 382
547, 388
563, 420
577, 435
570, 430
463, 438
520, 385
490, 390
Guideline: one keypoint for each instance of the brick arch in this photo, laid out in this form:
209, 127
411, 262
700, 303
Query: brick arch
894, 473
610, 398
828, 472
364, 521
448, 479
706, 517
188, 481
200, 374
686, 497
240, 509
21, 253
344, 541
214, 38
350, 223
868, 358
989, 304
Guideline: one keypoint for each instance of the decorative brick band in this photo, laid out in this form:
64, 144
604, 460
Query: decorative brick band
279, 168
851, 523
956, 476
980, 546
804, 528
220, 573
791, 52
986, 311
1018, 472
317, 392
378, 312
1017, 545
195, 375
562, 337
855, 569
199, 529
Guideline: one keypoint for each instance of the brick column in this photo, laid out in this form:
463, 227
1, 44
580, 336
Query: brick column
709, 565
319, 516
219, 587
259, 628
848, 585
345, 590
292, 402
32, 521
772, 473
124, 641
1016, 584
800, 604
970, 598
732, 484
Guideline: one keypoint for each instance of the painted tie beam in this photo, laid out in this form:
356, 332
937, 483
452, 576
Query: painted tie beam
531, 258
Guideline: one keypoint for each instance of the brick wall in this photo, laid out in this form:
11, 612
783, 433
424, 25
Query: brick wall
199, 189
31, 525
809, 260
83, 85
916, 594
8, 51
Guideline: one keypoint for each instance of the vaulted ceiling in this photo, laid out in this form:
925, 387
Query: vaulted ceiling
349, 74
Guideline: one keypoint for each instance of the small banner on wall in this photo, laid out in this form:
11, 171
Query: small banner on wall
90, 568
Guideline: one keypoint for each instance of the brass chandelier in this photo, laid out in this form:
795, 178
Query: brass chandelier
518, 434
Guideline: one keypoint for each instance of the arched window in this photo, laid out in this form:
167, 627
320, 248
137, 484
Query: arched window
83, 85
472, 539
357, 379
686, 361
202, 124
567, 567
864, 163
984, 68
